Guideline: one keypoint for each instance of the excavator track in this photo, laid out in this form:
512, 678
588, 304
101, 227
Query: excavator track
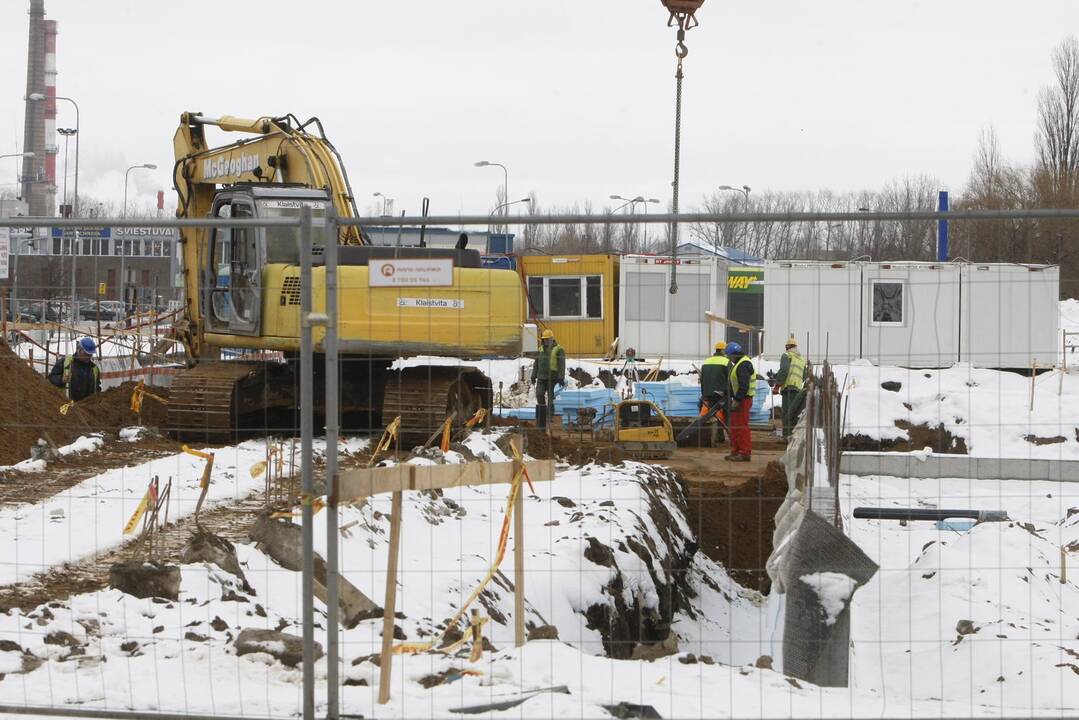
202, 399
425, 396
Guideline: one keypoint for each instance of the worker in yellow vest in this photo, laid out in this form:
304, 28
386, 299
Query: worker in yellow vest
790, 379
715, 385
743, 380
548, 371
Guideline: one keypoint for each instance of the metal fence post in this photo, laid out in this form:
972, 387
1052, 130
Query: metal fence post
329, 254
307, 382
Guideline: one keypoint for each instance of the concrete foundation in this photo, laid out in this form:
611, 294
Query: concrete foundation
907, 465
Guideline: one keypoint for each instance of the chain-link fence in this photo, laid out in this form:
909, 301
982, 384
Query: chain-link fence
316, 483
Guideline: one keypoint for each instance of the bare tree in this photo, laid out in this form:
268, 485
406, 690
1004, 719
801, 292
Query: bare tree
1057, 136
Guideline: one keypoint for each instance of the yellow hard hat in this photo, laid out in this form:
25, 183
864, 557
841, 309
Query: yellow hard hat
791, 342
547, 335
721, 345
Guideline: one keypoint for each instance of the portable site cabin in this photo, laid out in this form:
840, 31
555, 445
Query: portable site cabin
656, 322
911, 314
575, 297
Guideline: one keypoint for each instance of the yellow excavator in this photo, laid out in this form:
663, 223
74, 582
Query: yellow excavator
241, 323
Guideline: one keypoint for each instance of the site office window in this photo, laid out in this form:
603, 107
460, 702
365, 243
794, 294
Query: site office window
887, 303
573, 297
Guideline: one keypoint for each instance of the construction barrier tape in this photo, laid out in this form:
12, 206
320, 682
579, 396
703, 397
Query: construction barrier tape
500, 554
139, 512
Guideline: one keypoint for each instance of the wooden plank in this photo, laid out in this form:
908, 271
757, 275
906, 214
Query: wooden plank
389, 607
365, 482
519, 567
361, 483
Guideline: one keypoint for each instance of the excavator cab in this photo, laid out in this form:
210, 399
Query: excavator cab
232, 275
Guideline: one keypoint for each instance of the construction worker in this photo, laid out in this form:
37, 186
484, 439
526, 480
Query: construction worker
715, 382
77, 372
789, 380
743, 379
548, 371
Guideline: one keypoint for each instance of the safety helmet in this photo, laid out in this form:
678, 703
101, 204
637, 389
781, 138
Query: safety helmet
88, 346
721, 345
733, 349
547, 335
791, 342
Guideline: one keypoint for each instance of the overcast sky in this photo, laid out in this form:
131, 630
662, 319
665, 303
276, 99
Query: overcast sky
576, 98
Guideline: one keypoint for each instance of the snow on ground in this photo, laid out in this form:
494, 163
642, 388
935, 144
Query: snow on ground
448, 542
89, 517
82, 444
980, 617
988, 409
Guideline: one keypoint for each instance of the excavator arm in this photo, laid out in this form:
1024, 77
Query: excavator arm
278, 150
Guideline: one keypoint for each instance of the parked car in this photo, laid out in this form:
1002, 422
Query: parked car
106, 313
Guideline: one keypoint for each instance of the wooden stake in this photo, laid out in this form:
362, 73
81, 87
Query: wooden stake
519, 560
389, 606
1063, 566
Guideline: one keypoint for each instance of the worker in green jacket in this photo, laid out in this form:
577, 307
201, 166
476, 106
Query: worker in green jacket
548, 371
789, 380
715, 385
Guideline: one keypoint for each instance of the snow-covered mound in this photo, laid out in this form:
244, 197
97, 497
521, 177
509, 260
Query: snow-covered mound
989, 410
979, 617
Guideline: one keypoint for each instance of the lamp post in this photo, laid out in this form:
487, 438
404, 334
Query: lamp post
123, 244
632, 202
745, 191
387, 203
505, 178
66, 133
39, 97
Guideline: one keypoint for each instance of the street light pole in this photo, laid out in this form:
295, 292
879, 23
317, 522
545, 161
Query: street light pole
123, 243
39, 97
745, 191
632, 202
505, 180
67, 133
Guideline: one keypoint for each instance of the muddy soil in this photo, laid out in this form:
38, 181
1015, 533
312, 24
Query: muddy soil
572, 449
30, 409
734, 524
110, 410
64, 472
921, 436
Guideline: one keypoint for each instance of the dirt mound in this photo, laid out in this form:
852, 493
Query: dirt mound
110, 409
542, 446
30, 407
921, 436
734, 525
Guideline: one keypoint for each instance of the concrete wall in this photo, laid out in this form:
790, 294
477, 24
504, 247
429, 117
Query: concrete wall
957, 466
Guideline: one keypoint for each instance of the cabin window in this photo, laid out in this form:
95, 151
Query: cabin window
887, 302
566, 298
646, 296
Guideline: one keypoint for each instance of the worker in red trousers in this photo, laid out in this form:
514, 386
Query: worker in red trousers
743, 380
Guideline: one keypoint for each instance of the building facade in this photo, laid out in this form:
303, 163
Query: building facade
50, 264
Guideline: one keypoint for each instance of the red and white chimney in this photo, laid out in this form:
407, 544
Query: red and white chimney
51, 141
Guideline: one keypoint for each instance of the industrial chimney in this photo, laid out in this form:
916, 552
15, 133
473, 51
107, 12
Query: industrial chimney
39, 172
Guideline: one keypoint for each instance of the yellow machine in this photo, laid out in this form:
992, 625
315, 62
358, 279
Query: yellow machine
243, 292
642, 431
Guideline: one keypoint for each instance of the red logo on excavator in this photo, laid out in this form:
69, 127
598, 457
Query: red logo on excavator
388, 270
